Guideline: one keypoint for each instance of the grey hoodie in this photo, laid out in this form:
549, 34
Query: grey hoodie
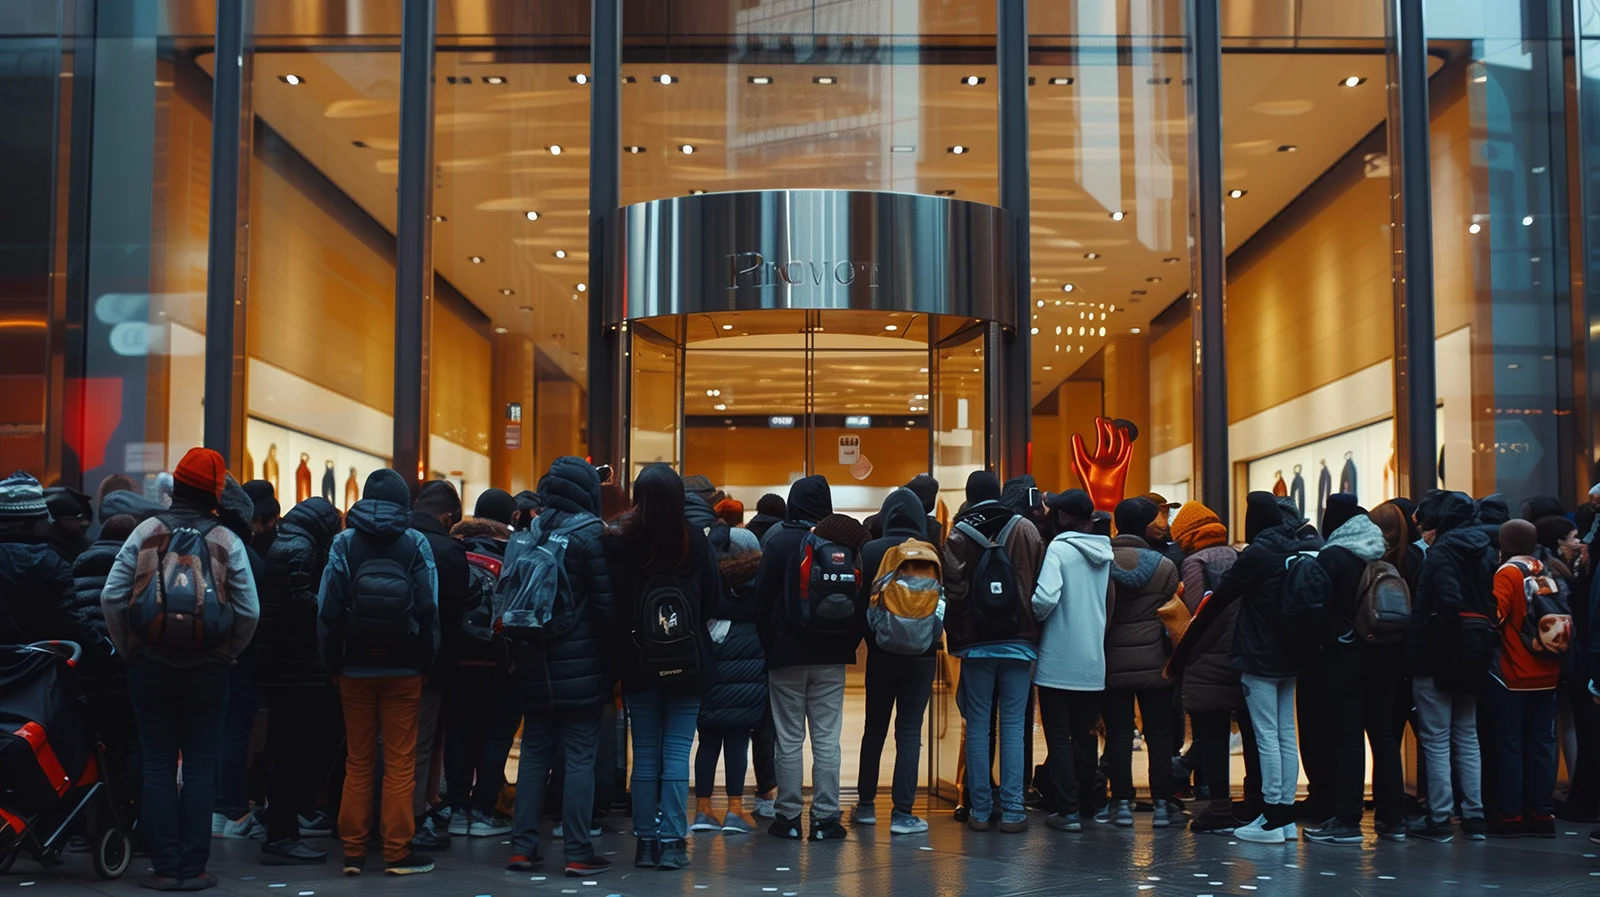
1072, 603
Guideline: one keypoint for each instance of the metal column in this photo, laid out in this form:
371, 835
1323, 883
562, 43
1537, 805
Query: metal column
226, 251
1411, 232
1212, 479
1016, 398
605, 194
413, 283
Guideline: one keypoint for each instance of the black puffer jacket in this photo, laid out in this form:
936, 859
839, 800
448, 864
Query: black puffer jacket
1259, 648
287, 654
777, 585
100, 674
37, 599
579, 671
738, 697
1457, 574
1136, 639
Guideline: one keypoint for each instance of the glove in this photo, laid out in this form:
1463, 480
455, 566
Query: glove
1105, 473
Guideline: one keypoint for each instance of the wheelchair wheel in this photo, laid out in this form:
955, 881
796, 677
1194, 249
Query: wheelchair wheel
113, 852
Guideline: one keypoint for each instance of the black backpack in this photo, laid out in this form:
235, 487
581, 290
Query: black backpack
182, 607
381, 623
483, 574
829, 587
665, 631
1302, 591
993, 589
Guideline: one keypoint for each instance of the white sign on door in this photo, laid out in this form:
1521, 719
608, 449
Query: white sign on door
849, 449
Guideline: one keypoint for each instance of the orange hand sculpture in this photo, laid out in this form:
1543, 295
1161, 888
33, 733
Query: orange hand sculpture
1104, 473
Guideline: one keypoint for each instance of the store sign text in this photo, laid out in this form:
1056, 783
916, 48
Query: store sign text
752, 270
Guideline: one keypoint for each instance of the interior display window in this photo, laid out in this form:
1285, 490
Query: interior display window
299, 465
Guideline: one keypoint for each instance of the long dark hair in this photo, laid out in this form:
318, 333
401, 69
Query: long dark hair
655, 531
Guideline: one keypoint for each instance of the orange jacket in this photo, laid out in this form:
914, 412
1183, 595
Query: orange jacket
1517, 667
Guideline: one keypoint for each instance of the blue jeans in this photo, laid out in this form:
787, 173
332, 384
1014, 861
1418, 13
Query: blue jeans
1523, 727
179, 711
238, 723
663, 725
988, 685
578, 733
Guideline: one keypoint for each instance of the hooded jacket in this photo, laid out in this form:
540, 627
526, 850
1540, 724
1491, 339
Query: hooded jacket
961, 552
699, 572
1354, 545
100, 674
777, 586
761, 524
1260, 647
738, 698
1200, 661
287, 654
1072, 603
1136, 639
902, 519
450, 566
577, 672
376, 523
1457, 574
480, 535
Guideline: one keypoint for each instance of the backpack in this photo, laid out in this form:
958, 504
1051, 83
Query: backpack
381, 623
1547, 622
829, 581
1383, 605
1302, 592
483, 574
183, 605
664, 630
906, 610
993, 590
533, 600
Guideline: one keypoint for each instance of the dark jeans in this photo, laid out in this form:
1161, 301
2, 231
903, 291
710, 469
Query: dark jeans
1317, 738
1068, 718
902, 685
239, 723
481, 717
1155, 708
663, 725
1212, 729
1360, 706
179, 711
1524, 750
1583, 801
578, 733
305, 727
762, 754
733, 746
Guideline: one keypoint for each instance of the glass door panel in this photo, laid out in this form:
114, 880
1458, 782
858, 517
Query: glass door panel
655, 397
745, 418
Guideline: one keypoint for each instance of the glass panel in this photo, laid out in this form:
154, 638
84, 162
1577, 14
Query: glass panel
1589, 182
656, 394
745, 413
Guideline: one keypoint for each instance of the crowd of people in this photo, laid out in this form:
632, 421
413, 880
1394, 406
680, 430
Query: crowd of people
401, 649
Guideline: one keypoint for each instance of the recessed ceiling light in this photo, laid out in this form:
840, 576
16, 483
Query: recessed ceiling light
687, 149
1068, 287
531, 215
759, 79
944, 193
1352, 81
696, 192
1102, 331
1049, 367
359, 144
720, 406
1040, 303
581, 78
507, 291
633, 150
500, 330
902, 148
554, 149
440, 219
824, 79
1091, 255
1527, 220
891, 327
1288, 148
1152, 280
1035, 331
665, 78
1118, 216
493, 79
475, 259
958, 150
1172, 260
1473, 228
292, 80
561, 253
1060, 82
524, 308
1235, 194
1058, 330
973, 80
582, 287
727, 326
1134, 330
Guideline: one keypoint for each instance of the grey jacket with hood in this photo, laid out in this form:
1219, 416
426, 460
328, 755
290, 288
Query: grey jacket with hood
1072, 603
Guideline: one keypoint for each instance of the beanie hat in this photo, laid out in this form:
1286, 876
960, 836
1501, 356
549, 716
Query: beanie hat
731, 511
387, 485
1552, 530
982, 486
844, 529
1196, 527
202, 469
701, 486
926, 488
1077, 504
1134, 516
21, 497
742, 542
264, 496
495, 504
772, 505
1341, 507
1518, 538
1260, 514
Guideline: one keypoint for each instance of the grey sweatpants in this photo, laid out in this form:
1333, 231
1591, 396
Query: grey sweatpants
1447, 730
799, 694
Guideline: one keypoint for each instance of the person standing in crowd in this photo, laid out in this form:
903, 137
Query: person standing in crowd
1361, 675
1523, 676
264, 525
896, 683
805, 669
666, 574
991, 563
735, 706
37, 601
770, 511
304, 722
1577, 717
1136, 655
565, 682
1159, 533
1208, 683
1318, 743
1456, 578
103, 674
528, 506
1587, 518
730, 511
437, 509
378, 624
70, 517
1072, 602
233, 816
179, 692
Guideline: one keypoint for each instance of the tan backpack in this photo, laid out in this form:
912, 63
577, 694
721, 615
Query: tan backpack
906, 613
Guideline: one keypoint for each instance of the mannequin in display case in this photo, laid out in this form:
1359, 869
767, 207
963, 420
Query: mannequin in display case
352, 491
269, 467
329, 482
1297, 491
1324, 486
1347, 477
302, 479
1279, 487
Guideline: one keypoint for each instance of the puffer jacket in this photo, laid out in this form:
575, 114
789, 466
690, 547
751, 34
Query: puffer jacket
1354, 545
577, 672
378, 524
99, 674
287, 654
1200, 661
37, 597
738, 698
1024, 547
480, 535
1136, 640
1457, 573
1259, 646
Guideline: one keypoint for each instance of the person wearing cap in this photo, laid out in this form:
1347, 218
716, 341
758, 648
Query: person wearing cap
178, 696
1587, 517
38, 601
264, 525
1159, 534
528, 503
70, 516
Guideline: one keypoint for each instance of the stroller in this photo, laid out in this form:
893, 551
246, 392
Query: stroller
52, 782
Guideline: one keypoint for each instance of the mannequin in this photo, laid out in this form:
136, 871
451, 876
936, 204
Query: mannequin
1347, 477
1278, 487
302, 479
1324, 486
352, 491
329, 482
1297, 490
269, 467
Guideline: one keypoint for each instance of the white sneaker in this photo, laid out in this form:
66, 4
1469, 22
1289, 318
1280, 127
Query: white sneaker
1291, 832
460, 823
1257, 832
907, 825
485, 825
766, 809
218, 820
246, 828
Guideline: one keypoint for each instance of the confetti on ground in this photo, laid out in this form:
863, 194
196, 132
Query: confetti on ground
1291, 865
280, 885
1263, 878
1214, 884
783, 868
1247, 887
1152, 878
930, 848
1147, 887
247, 878
537, 878
1199, 875
307, 893
25, 884
1229, 862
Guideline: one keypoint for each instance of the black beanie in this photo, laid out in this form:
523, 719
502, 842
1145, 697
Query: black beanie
772, 505
384, 484
982, 486
1134, 516
1341, 507
926, 488
495, 504
1260, 514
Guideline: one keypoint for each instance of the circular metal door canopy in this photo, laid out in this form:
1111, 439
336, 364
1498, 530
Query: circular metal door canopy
808, 249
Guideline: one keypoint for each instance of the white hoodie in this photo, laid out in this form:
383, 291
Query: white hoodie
1072, 602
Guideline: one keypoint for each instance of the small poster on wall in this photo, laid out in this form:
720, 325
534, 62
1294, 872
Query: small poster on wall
849, 449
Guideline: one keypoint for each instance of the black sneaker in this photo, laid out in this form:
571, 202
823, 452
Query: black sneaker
674, 855
429, 835
1334, 832
352, 865
1475, 828
828, 830
1391, 831
524, 862
1501, 827
1210, 823
648, 854
290, 852
595, 865
785, 827
412, 863
962, 812
160, 883
1431, 830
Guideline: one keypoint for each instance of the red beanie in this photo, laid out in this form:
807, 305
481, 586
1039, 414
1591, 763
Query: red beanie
202, 469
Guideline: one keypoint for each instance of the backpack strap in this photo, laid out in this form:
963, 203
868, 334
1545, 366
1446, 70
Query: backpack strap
1004, 536
983, 541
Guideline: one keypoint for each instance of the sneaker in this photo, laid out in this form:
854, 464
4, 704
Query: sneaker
786, 827
460, 822
907, 824
245, 828
429, 837
734, 824
412, 863
1541, 826
827, 830
766, 808
648, 854
1033, 798
1291, 832
484, 825
864, 814
352, 865
705, 822
523, 863
674, 855
1257, 832
1014, 827
1594, 836
595, 865
1118, 813
1475, 828
290, 852
161, 882
1500, 827
1430, 830
320, 825
977, 823
1064, 822
1391, 831
201, 882
1210, 823
1164, 812
1333, 832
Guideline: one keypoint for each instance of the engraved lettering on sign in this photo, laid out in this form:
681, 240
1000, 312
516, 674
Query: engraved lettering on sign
752, 270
